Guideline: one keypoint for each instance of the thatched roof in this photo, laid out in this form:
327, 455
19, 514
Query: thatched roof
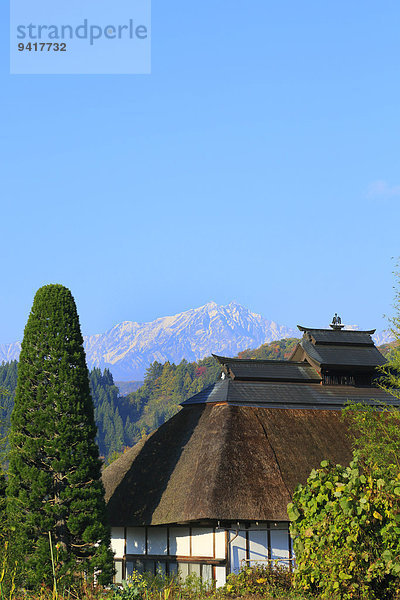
222, 462
236, 450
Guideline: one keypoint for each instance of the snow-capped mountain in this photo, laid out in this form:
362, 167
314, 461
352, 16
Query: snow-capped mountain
9, 352
383, 337
380, 337
128, 348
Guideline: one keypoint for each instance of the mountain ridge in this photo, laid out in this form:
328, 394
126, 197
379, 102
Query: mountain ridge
129, 347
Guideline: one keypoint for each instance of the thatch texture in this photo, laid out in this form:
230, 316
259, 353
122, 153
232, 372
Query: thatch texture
222, 462
112, 477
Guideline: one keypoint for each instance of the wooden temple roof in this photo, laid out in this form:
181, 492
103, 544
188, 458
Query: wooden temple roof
289, 395
345, 356
267, 370
330, 348
353, 337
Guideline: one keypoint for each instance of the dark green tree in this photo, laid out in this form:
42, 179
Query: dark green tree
375, 435
3, 458
54, 474
8, 384
110, 434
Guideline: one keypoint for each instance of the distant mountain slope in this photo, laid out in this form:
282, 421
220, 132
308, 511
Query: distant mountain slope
9, 352
129, 348
383, 337
127, 387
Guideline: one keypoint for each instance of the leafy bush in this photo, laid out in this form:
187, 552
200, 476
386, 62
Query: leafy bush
259, 580
375, 435
263, 582
132, 589
346, 529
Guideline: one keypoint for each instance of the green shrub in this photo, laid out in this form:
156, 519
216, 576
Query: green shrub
265, 582
259, 580
132, 589
375, 435
346, 529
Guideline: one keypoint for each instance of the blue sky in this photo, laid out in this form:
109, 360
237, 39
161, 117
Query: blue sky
259, 162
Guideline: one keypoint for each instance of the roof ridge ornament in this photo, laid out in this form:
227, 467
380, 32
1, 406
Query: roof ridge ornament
336, 323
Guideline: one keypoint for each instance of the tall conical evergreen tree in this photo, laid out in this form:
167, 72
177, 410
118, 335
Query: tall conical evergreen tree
54, 473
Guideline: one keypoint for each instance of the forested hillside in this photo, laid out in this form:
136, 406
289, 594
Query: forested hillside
387, 349
279, 350
128, 387
122, 420
110, 410
114, 429
165, 386
8, 385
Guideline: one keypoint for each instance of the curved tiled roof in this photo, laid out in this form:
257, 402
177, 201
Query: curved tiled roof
335, 349
289, 395
342, 336
336, 355
267, 370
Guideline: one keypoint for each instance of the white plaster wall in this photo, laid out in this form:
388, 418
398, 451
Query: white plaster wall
220, 576
156, 540
179, 541
207, 573
280, 546
202, 542
237, 550
135, 540
258, 547
118, 541
220, 543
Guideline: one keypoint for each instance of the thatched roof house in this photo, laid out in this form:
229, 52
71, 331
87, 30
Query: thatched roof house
209, 488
